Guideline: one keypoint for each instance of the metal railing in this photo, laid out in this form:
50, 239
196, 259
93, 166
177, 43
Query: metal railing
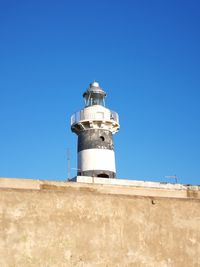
81, 116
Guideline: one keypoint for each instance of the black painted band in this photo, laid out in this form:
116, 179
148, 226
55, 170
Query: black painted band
95, 138
97, 173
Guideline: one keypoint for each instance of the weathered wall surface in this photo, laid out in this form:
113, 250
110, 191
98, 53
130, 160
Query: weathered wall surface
75, 224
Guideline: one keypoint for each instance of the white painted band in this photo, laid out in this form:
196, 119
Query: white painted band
96, 159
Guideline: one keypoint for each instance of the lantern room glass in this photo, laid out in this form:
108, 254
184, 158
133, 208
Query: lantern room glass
92, 99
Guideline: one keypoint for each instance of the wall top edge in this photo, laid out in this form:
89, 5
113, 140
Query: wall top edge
104, 185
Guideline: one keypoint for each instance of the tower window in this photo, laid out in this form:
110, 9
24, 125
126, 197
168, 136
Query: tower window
102, 138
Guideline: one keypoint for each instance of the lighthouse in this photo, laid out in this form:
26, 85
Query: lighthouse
95, 125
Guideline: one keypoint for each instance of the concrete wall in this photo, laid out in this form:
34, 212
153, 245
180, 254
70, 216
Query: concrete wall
51, 224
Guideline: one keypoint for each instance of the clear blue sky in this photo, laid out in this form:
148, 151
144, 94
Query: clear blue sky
146, 56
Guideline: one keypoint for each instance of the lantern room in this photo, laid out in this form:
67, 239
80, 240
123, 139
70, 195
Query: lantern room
94, 95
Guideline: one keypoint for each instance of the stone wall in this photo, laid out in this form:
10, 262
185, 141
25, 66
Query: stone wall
94, 224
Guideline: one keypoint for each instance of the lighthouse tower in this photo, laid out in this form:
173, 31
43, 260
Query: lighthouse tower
95, 125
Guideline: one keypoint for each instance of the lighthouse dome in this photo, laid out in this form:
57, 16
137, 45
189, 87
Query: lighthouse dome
95, 84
